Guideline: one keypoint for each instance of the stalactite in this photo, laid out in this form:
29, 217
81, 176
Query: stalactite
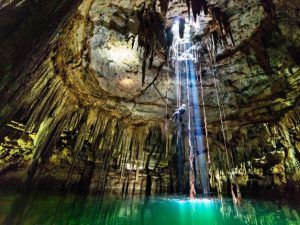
57, 112
257, 43
269, 8
148, 176
188, 4
164, 4
261, 54
181, 26
223, 22
151, 35
55, 107
85, 126
197, 7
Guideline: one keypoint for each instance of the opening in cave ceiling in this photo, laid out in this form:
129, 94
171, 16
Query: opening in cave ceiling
152, 30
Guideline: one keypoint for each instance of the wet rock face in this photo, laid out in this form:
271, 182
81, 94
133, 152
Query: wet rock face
89, 123
260, 98
117, 61
75, 114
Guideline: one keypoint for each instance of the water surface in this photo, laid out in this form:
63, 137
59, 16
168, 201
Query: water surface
45, 209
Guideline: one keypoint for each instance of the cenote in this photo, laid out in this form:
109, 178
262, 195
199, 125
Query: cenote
149, 112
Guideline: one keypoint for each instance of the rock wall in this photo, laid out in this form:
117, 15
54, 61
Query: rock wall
84, 120
258, 78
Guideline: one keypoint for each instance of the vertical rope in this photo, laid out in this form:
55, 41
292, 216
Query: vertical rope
225, 125
191, 150
220, 113
204, 111
235, 196
177, 74
167, 100
180, 79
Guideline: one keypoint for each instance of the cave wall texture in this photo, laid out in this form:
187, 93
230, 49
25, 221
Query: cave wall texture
75, 115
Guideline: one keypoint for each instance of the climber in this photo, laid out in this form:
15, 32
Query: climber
178, 112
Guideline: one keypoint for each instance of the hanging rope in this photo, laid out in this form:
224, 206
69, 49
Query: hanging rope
180, 79
203, 106
226, 128
167, 97
176, 73
236, 195
191, 150
176, 49
220, 111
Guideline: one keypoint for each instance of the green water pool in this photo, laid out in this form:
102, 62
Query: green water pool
48, 209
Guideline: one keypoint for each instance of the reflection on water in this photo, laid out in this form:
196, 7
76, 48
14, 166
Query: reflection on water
70, 210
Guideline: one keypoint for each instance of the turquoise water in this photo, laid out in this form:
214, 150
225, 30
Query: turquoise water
79, 210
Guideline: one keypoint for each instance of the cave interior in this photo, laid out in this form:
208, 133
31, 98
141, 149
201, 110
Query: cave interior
127, 112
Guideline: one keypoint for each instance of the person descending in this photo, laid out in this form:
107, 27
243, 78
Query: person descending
177, 115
